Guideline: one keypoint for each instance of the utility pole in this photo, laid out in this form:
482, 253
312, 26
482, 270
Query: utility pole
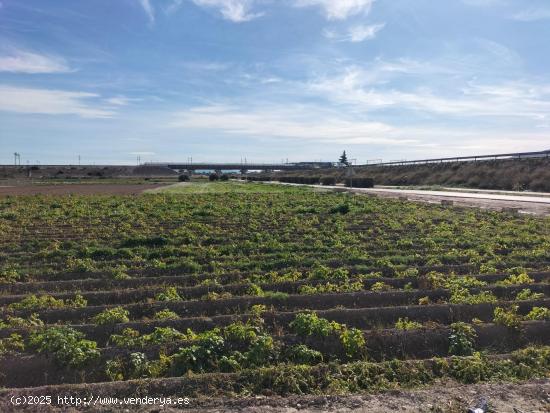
78, 160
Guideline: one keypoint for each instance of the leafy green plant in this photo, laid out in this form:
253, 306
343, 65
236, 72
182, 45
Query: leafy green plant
463, 296
508, 318
353, 342
165, 314
538, 313
66, 345
380, 286
33, 302
112, 316
168, 295
517, 279
307, 324
527, 294
13, 343
406, 324
302, 354
18, 322
461, 339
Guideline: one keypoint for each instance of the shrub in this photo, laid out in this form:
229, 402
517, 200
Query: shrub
224, 177
360, 182
66, 345
183, 178
328, 180
213, 177
461, 339
112, 316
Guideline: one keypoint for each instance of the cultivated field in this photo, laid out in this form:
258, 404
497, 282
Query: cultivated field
240, 290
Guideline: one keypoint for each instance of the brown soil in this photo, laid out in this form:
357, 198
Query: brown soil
446, 397
77, 189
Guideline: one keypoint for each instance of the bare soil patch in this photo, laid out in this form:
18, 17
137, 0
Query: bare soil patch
77, 189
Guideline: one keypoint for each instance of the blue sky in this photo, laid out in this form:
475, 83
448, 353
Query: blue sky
272, 79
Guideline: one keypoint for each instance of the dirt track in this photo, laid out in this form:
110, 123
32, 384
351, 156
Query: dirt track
79, 189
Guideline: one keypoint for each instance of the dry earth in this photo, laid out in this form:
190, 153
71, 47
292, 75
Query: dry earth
80, 189
531, 397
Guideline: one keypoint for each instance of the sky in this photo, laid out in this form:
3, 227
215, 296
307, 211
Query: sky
271, 80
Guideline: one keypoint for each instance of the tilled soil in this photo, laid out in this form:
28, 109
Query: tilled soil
446, 397
77, 189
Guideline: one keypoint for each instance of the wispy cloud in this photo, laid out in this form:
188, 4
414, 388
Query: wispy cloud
532, 14
357, 87
338, 9
51, 102
120, 100
22, 61
148, 9
355, 34
237, 11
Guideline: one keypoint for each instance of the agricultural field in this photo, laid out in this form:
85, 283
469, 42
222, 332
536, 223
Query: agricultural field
237, 290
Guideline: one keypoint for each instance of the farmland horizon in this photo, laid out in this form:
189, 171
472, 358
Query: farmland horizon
219, 79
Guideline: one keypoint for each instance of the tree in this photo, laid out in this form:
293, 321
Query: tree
344, 159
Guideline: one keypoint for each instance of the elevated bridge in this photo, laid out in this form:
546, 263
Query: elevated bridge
243, 167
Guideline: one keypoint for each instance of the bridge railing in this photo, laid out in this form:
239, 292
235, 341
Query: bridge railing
475, 158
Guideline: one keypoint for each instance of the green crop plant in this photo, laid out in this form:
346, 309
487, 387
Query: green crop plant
42, 302
165, 314
507, 317
462, 339
302, 354
380, 286
538, 313
406, 324
67, 346
112, 316
307, 324
527, 294
12, 344
169, 294
18, 322
353, 342
517, 279
463, 296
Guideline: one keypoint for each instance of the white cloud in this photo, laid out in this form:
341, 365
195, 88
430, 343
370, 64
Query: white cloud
358, 88
120, 100
149, 10
21, 61
532, 14
237, 11
283, 122
338, 9
50, 102
356, 34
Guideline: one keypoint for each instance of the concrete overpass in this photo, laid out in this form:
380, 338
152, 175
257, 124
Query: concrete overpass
243, 167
